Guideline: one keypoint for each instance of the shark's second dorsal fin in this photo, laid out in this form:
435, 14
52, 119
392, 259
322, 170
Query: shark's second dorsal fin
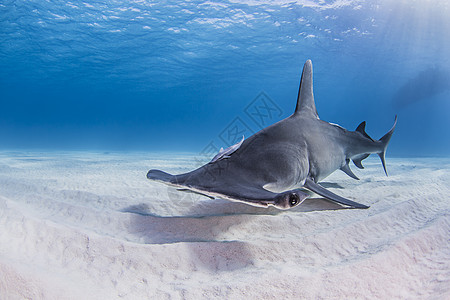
305, 99
362, 129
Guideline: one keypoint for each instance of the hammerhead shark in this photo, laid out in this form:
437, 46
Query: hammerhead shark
277, 165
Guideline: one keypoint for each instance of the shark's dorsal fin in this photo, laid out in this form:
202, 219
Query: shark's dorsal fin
305, 99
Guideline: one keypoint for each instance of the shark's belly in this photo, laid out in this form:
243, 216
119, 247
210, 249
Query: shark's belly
325, 160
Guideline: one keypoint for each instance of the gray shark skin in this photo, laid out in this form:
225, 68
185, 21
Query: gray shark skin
274, 166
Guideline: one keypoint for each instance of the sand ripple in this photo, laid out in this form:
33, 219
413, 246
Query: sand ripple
89, 225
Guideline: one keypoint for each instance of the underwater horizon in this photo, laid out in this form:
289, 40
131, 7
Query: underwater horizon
195, 76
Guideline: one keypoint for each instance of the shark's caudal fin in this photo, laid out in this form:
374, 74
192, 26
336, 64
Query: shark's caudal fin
385, 141
305, 99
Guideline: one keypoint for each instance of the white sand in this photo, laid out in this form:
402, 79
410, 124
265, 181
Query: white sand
91, 226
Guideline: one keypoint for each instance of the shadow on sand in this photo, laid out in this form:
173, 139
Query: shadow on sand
204, 229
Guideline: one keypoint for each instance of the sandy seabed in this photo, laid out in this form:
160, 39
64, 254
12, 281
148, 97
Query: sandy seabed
89, 225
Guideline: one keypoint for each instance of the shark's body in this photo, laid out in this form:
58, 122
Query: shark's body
272, 166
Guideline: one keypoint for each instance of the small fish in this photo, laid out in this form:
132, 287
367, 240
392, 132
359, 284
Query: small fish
227, 152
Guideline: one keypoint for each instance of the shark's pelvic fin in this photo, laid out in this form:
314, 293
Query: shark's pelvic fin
385, 141
316, 188
346, 169
305, 99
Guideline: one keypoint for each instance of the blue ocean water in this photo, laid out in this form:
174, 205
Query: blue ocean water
197, 75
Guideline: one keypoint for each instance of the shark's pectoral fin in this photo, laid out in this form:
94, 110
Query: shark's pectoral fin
346, 169
316, 188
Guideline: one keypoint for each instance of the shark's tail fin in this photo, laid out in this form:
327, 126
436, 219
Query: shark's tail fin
384, 143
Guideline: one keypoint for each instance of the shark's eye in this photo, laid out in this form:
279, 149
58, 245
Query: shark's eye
293, 199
